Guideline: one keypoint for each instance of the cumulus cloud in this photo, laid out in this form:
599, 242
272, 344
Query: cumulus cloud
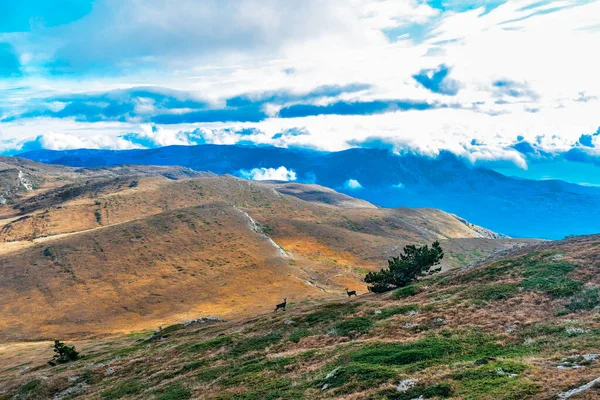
352, 184
269, 174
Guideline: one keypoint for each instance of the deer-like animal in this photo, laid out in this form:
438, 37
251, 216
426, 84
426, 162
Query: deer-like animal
351, 292
281, 305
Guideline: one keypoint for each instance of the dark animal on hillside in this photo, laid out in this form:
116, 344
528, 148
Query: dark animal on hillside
281, 305
351, 293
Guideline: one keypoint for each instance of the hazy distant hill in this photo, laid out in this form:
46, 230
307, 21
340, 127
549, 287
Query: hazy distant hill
519, 208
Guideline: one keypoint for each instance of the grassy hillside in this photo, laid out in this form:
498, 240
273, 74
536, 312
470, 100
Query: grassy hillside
521, 326
111, 250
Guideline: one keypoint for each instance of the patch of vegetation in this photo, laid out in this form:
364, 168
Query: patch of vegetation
63, 353
442, 348
391, 311
212, 374
492, 292
255, 343
98, 216
123, 390
587, 299
494, 380
211, 344
31, 389
406, 291
353, 327
354, 377
174, 391
412, 264
298, 334
329, 313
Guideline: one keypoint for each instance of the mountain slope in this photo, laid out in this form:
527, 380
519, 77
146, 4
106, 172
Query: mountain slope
516, 207
123, 252
522, 325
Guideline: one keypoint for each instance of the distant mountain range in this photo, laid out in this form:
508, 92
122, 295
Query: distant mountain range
520, 208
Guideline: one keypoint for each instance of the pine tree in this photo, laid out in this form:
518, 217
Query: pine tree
404, 270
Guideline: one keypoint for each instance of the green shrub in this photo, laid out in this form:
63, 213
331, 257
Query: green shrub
353, 327
555, 286
174, 391
358, 377
31, 389
298, 334
492, 292
125, 389
255, 343
211, 344
406, 291
585, 300
391, 311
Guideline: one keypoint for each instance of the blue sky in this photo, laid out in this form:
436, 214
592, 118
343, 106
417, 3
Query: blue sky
487, 80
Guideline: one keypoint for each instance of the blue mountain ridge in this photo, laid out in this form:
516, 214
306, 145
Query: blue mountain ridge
549, 209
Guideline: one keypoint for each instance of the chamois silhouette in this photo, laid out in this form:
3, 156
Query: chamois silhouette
351, 293
281, 305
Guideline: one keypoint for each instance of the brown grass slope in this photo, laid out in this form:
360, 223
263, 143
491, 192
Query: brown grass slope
523, 325
123, 252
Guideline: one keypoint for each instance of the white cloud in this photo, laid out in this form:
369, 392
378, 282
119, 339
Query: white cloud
223, 49
269, 174
352, 184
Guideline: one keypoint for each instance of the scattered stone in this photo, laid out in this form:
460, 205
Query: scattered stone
109, 371
325, 386
288, 322
575, 331
25, 368
405, 385
332, 373
573, 392
411, 313
377, 312
203, 320
74, 378
591, 357
409, 325
68, 392
530, 341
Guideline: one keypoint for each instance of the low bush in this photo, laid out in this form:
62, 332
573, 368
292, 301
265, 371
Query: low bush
353, 327
406, 291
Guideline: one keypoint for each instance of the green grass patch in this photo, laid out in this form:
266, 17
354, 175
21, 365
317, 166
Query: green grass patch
391, 311
353, 327
493, 292
445, 347
31, 389
173, 391
125, 389
298, 334
328, 313
354, 377
494, 380
587, 299
211, 344
255, 343
406, 291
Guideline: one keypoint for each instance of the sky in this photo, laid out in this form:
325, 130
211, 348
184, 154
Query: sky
509, 85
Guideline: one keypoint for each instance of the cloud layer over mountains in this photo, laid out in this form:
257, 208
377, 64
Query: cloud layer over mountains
488, 81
